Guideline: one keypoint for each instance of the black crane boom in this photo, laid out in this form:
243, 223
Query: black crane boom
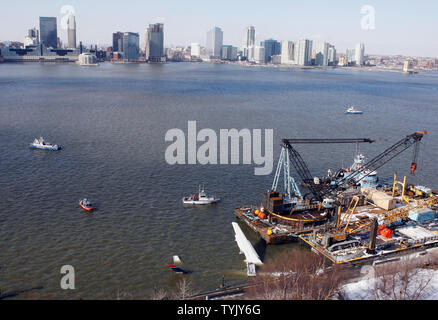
380, 160
301, 166
321, 192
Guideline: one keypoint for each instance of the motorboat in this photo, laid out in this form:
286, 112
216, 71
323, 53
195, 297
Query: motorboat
86, 205
45, 145
353, 110
200, 198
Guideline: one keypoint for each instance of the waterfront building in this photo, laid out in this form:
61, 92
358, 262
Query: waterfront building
303, 52
87, 59
48, 32
332, 55
350, 56
272, 47
33, 33
195, 50
71, 31
287, 52
359, 54
408, 66
229, 53
259, 55
214, 43
248, 40
343, 61
32, 38
155, 42
118, 41
131, 46
250, 53
321, 54
28, 41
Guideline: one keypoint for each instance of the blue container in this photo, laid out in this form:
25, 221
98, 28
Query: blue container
422, 214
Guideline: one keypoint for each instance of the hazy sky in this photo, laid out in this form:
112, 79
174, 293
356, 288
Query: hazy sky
401, 26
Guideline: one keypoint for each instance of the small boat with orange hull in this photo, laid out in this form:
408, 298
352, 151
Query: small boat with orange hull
86, 205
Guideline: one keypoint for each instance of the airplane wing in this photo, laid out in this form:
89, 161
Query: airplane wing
245, 246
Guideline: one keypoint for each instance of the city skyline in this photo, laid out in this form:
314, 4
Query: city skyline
338, 25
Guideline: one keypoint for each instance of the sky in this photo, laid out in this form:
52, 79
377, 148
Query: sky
401, 27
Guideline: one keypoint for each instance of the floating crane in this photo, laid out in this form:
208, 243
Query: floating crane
322, 192
301, 166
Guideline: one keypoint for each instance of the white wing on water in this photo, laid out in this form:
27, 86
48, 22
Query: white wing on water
245, 246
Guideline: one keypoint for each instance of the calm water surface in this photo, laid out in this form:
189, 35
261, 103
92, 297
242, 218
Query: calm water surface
112, 120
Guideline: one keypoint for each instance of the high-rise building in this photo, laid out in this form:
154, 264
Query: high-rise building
259, 54
32, 37
118, 42
321, 54
287, 52
359, 54
248, 40
155, 42
195, 50
33, 33
131, 46
48, 32
332, 56
303, 52
350, 56
214, 43
272, 48
71, 31
250, 53
229, 53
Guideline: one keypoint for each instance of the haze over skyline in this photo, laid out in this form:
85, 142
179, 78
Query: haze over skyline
400, 27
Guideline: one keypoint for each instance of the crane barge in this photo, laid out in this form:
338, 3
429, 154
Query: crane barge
316, 216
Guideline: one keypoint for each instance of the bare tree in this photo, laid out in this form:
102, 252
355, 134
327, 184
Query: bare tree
403, 280
183, 290
296, 275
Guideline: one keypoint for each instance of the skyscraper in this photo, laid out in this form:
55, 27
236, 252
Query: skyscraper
272, 48
229, 53
359, 54
322, 54
131, 46
118, 42
48, 32
214, 43
287, 52
303, 52
248, 40
155, 42
71, 30
332, 55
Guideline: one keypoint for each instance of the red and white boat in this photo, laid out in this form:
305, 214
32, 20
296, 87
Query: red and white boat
86, 205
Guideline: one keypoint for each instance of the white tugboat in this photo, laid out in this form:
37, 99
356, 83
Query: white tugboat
45, 145
200, 198
353, 110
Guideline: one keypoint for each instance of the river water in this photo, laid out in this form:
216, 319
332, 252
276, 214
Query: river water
112, 121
